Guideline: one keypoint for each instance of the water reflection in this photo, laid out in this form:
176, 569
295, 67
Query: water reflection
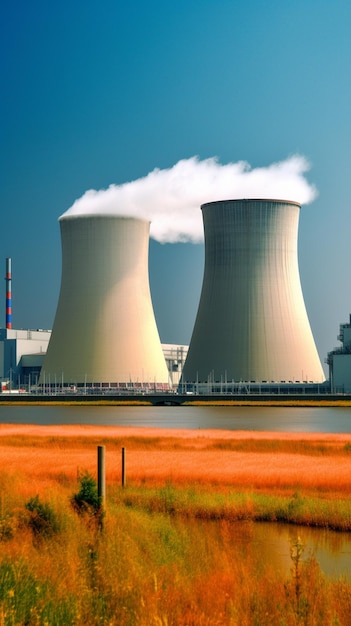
270, 544
278, 419
331, 549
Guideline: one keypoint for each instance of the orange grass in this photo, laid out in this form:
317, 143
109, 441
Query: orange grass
283, 462
267, 402
155, 570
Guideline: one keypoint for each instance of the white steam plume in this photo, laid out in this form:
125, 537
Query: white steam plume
171, 198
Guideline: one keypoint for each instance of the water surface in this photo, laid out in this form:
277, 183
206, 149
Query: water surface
278, 419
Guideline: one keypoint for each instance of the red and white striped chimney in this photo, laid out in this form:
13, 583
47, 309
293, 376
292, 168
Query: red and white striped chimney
8, 279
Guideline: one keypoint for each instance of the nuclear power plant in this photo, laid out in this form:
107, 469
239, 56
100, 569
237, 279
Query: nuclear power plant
251, 333
251, 323
104, 330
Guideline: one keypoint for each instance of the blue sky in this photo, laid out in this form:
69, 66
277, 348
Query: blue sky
95, 93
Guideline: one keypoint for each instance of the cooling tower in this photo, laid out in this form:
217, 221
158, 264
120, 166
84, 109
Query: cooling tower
104, 329
251, 323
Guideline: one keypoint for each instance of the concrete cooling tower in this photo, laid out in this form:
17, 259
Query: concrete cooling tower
251, 323
104, 330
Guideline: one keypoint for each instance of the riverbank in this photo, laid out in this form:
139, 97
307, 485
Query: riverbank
175, 400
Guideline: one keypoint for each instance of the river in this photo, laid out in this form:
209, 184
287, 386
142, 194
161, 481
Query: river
274, 419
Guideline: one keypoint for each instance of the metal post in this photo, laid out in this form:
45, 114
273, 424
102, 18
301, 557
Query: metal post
101, 474
124, 482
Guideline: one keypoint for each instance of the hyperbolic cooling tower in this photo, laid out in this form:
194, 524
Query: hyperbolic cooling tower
251, 323
104, 329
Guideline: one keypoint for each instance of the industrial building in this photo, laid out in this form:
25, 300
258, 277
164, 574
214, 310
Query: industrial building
175, 357
104, 331
251, 325
339, 361
22, 355
21, 351
251, 333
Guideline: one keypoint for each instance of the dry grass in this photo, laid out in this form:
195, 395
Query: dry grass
283, 462
268, 402
150, 566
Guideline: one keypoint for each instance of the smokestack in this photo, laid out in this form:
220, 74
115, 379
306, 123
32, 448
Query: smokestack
251, 323
104, 329
8, 279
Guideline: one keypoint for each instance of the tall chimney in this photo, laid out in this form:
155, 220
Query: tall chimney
8, 294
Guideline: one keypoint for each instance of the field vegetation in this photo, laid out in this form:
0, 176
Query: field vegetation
164, 550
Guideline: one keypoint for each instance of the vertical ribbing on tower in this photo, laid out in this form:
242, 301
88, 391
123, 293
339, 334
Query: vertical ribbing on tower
252, 323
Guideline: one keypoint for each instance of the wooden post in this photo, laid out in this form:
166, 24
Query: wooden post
124, 467
101, 475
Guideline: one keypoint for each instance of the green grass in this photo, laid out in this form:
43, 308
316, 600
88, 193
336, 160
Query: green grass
233, 506
165, 556
152, 568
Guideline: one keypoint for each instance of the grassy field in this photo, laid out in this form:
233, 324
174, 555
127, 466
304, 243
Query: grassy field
164, 552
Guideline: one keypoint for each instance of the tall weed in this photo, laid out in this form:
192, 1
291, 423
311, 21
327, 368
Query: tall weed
151, 568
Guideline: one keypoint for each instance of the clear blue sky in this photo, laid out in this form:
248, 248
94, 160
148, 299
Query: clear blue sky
94, 93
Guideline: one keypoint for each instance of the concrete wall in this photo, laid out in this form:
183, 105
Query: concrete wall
341, 381
104, 329
252, 323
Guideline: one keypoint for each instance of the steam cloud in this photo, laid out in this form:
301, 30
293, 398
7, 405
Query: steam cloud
171, 198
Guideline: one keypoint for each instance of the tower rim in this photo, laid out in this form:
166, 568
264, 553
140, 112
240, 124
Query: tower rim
248, 200
102, 215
